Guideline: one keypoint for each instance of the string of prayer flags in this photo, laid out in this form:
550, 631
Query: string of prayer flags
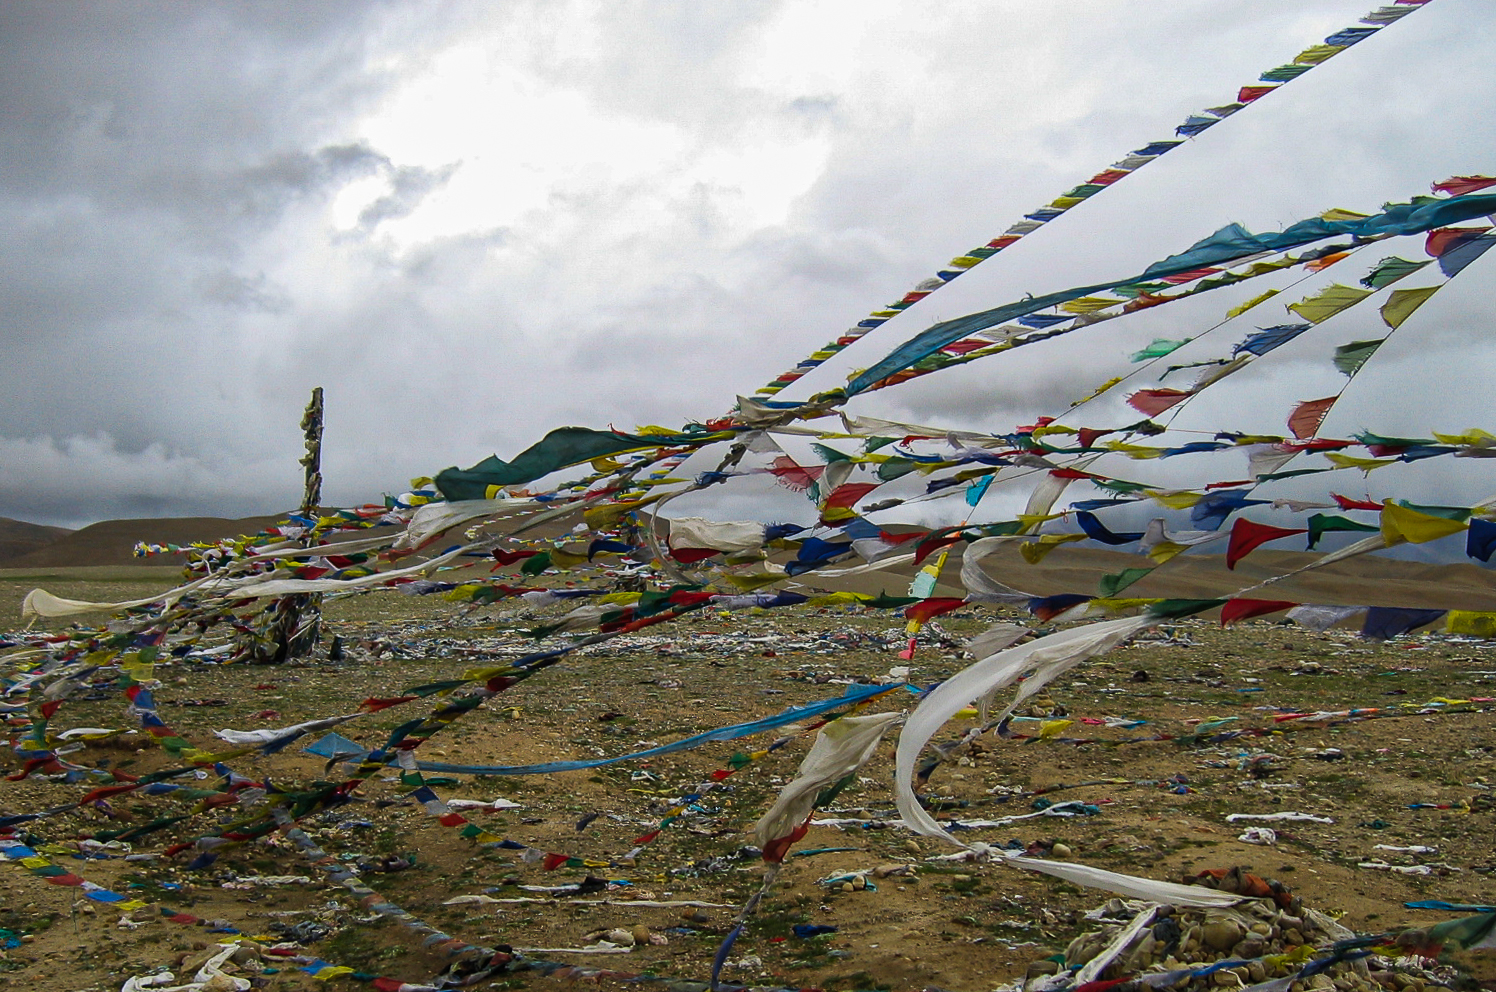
1229, 244
1192, 126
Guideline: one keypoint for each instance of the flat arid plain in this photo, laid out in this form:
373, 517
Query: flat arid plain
1151, 749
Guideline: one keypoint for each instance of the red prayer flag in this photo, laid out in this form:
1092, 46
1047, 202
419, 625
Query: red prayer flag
375, 705
1249, 93
1246, 535
927, 548
846, 496
1460, 185
776, 849
962, 347
928, 609
1346, 503
1326, 261
1237, 610
1305, 419
794, 476
1442, 239
1112, 175
1180, 278
1155, 401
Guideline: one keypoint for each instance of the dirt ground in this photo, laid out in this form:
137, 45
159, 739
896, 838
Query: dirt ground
1420, 770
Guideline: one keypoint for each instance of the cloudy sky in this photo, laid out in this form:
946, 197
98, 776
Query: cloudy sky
472, 222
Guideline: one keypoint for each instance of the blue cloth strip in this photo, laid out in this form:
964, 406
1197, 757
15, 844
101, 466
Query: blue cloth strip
854, 694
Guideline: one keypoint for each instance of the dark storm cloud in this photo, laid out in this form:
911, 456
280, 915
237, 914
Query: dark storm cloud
209, 212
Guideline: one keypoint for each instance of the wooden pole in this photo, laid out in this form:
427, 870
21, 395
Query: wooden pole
295, 621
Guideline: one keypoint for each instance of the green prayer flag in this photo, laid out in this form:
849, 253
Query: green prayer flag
1389, 270
1175, 608
1114, 583
1350, 357
560, 448
1322, 523
1158, 349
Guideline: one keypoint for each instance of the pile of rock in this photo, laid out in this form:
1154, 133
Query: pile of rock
1269, 935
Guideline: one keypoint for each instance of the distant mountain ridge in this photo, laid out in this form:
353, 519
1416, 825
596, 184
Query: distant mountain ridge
112, 542
18, 538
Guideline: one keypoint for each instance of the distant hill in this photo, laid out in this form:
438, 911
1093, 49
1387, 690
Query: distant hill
18, 538
111, 542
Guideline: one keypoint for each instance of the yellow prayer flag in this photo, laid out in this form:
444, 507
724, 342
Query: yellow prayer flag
1141, 452
1050, 729
1048, 429
1177, 501
567, 559
1474, 437
1028, 521
1340, 214
749, 581
1366, 465
1332, 300
331, 972
1402, 302
1237, 311
1164, 550
1402, 524
1318, 53
1035, 551
1118, 604
1088, 304
1470, 623
837, 599
1099, 390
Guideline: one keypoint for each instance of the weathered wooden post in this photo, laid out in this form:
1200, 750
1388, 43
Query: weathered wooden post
296, 621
